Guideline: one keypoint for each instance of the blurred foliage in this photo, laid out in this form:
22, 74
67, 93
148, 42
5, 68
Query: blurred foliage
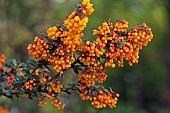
143, 88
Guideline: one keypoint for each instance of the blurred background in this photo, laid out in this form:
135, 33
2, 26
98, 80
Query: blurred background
143, 88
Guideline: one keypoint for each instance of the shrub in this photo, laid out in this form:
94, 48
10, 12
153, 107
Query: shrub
62, 48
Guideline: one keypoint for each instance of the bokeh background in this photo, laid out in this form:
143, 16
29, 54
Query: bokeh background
143, 88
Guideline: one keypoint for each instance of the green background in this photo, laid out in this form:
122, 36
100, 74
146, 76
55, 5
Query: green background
143, 88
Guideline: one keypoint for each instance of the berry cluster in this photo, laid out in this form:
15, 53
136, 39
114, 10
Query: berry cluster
39, 50
53, 89
99, 98
57, 103
30, 84
121, 43
65, 39
56, 86
62, 48
87, 78
42, 101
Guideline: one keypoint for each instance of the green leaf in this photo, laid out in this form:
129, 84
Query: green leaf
36, 78
47, 39
17, 82
70, 54
32, 62
98, 58
111, 33
19, 78
56, 94
97, 86
51, 51
34, 96
22, 91
124, 42
84, 42
21, 65
25, 70
26, 76
102, 60
120, 45
115, 41
110, 89
78, 9
62, 26
5, 68
14, 62
44, 87
106, 48
10, 63
8, 93
94, 41
12, 86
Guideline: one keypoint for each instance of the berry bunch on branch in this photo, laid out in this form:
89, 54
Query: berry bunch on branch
62, 48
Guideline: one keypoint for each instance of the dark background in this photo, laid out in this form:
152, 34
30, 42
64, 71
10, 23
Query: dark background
143, 88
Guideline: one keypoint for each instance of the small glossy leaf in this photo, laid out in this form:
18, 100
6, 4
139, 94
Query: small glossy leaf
32, 62
94, 41
17, 82
106, 48
22, 90
111, 33
102, 60
120, 45
70, 54
14, 62
115, 41
51, 51
26, 76
8, 93
25, 70
47, 39
124, 42
9, 63
12, 86
21, 65
79, 9
62, 26
19, 78
34, 96
36, 77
